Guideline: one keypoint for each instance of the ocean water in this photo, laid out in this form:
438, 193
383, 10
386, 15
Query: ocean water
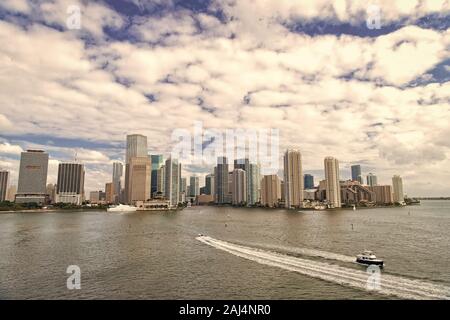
245, 254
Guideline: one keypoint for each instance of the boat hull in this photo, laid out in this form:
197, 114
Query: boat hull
379, 263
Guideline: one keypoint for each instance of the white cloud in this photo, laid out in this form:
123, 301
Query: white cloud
264, 77
6, 148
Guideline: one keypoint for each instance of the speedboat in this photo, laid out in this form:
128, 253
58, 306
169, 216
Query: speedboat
368, 258
121, 208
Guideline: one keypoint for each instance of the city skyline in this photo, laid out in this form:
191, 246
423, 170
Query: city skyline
377, 98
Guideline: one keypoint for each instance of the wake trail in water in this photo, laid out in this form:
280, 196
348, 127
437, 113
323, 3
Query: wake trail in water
388, 284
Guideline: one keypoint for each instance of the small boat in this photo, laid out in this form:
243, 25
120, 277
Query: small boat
368, 258
201, 235
121, 208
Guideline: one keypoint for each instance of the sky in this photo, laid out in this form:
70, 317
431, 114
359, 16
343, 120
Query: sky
332, 82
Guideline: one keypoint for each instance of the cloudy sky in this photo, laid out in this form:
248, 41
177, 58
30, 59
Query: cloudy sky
312, 69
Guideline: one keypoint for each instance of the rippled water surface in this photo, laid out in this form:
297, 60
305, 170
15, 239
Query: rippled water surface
247, 254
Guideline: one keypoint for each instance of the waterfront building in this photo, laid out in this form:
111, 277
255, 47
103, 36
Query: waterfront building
117, 181
371, 180
97, 197
221, 181
293, 179
333, 189
354, 193
32, 185
308, 181
70, 183
209, 184
270, 191
194, 186
136, 148
239, 187
397, 185
172, 181
157, 162
253, 184
204, 199
110, 193
4, 178
139, 176
383, 194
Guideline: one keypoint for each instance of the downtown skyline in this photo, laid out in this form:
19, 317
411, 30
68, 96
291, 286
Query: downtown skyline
378, 98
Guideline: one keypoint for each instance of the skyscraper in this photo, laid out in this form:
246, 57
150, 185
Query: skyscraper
161, 180
4, 175
371, 180
116, 180
383, 194
138, 179
209, 184
333, 188
194, 186
270, 190
356, 172
136, 148
308, 181
70, 185
293, 179
172, 181
157, 162
221, 181
397, 185
239, 187
253, 184
32, 177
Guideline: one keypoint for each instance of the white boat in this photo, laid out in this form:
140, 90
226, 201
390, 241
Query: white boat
121, 208
368, 258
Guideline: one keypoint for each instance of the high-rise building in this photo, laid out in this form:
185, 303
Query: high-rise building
239, 187
383, 194
109, 193
172, 181
117, 181
397, 185
11, 193
70, 185
194, 186
253, 179
270, 191
333, 189
4, 177
293, 179
253, 184
371, 180
356, 172
157, 162
308, 181
161, 181
209, 184
32, 185
139, 179
136, 148
221, 181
